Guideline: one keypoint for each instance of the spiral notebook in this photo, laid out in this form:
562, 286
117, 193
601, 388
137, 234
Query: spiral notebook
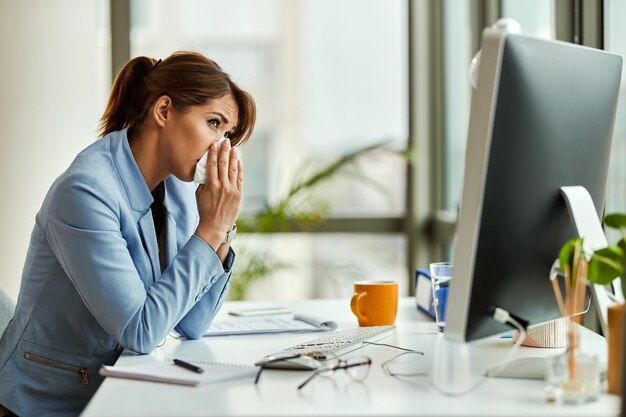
167, 372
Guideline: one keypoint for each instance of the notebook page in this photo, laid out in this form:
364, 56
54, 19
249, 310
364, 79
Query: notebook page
167, 372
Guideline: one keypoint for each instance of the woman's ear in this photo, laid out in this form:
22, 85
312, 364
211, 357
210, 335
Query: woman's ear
162, 110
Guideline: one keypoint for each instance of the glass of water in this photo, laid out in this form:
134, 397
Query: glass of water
440, 278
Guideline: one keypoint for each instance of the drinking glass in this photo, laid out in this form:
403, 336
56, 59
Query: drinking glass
440, 278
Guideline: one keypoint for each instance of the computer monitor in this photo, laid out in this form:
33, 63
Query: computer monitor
541, 118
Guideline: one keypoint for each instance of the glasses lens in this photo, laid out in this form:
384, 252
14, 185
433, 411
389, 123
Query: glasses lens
328, 367
406, 364
358, 367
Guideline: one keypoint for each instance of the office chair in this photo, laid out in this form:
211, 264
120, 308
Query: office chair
7, 308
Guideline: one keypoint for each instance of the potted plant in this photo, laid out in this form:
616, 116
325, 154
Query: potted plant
598, 267
297, 210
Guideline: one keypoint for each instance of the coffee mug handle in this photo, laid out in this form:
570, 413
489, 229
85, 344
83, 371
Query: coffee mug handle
354, 305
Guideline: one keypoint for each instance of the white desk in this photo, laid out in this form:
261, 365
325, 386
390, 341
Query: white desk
379, 395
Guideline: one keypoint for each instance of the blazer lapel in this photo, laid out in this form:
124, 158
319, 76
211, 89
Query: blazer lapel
171, 242
172, 209
148, 236
139, 198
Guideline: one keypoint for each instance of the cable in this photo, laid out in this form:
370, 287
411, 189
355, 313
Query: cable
503, 317
392, 346
511, 320
580, 313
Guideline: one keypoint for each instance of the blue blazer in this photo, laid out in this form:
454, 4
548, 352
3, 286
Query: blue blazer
92, 282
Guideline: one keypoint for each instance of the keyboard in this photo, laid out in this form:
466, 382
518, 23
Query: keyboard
337, 343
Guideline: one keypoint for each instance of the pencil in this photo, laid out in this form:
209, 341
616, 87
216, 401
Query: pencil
558, 295
568, 289
582, 284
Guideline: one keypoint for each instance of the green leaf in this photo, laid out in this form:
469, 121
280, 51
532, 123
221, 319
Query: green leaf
330, 170
615, 220
606, 265
252, 266
622, 245
566, 255
299, 208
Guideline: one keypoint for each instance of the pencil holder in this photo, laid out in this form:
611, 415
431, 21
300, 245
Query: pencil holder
572, 377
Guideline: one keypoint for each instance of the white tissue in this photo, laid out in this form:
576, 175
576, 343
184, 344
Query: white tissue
200, 175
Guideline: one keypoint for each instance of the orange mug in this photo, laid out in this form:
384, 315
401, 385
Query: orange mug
375, 303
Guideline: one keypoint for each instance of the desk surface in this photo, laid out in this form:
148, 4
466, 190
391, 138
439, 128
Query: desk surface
379, 395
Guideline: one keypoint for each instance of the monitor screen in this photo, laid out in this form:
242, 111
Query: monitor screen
542, 117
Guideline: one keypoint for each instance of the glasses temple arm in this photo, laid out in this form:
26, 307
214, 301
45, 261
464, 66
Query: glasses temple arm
313, 375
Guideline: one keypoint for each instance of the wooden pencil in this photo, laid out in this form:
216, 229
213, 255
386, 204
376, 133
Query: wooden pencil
559, 296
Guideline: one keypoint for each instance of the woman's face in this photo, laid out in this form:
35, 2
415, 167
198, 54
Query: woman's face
188, 135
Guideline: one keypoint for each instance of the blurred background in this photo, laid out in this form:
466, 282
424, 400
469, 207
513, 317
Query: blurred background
331, 78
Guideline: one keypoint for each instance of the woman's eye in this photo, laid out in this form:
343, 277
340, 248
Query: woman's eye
214, 122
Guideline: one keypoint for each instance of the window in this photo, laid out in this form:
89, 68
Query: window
615, 41
329, 77
535, 18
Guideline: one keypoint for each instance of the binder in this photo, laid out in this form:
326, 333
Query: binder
424, 292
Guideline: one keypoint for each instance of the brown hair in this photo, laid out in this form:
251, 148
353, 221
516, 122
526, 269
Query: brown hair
188, 78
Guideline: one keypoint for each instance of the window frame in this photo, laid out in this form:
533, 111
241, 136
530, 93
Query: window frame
427, 227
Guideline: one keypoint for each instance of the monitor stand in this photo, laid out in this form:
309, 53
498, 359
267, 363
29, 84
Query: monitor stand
532, 367
585, 217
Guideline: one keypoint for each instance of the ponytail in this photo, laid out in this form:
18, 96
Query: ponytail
187, 78
127, 103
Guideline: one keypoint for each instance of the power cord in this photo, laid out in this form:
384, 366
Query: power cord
504, 317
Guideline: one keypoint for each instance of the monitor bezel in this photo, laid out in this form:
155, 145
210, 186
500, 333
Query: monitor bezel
480, 137
476, 166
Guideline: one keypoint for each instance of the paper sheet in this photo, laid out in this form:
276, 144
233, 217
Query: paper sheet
169, 373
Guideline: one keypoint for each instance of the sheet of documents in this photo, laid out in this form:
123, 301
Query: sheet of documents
269, 324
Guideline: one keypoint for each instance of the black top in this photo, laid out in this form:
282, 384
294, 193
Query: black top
158, 217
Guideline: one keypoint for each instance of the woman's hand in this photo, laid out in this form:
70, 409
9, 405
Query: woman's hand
219, 198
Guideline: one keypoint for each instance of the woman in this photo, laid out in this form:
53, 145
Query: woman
122, 252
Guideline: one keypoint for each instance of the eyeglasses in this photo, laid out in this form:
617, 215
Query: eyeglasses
406, 363
269, 361
357, 367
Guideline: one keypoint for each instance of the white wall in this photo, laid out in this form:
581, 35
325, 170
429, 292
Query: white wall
50, 101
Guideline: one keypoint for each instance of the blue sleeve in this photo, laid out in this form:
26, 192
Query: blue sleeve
199, 318
85, 233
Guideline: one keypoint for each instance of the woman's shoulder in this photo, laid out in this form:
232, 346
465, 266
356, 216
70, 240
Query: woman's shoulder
108, 161
93, 165
92, 173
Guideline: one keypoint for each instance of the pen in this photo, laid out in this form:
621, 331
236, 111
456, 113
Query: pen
188, 366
